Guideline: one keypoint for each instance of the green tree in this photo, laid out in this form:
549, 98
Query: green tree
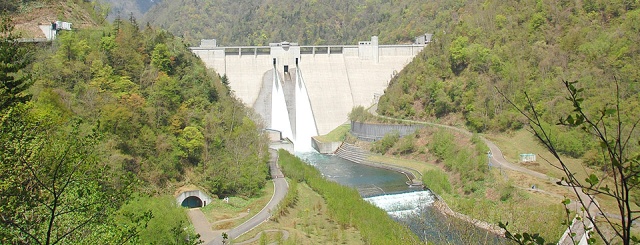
458, 54
192, 141
55, 188
160, 58
383, 145
13, 59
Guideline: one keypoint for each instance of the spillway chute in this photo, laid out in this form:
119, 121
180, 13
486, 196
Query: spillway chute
279, 112
305, 120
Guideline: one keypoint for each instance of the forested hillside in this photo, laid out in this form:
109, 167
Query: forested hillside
514, 47
161, 111
108, 116
127, 8
306, 22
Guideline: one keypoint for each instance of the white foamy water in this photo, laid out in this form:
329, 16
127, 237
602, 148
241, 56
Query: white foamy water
403, 204
305, 122
279, 113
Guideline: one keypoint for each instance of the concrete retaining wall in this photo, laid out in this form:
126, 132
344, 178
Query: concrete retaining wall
325, 147
374, 132
285, 144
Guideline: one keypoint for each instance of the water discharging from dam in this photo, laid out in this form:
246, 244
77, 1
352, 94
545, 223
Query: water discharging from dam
291, 111
410, 206
305, 122
279, 113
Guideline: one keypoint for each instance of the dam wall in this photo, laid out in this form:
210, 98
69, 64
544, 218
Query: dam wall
337, 77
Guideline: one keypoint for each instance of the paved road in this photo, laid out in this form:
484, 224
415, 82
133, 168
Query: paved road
280, 190
201, 224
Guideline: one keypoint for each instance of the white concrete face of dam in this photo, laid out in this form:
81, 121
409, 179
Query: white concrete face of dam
337, 78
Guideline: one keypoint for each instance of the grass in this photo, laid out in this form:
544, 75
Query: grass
417, 167
525, 142
237, 207
525, 213
307, 223
337, 134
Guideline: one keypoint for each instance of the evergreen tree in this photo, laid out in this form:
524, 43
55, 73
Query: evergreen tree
13, 58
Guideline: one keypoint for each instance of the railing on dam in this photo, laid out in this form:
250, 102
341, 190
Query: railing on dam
313, 49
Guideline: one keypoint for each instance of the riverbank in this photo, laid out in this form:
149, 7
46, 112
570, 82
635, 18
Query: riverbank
441, 206
479, 195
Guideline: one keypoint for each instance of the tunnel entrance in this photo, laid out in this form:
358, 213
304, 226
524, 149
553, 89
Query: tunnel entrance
192, 202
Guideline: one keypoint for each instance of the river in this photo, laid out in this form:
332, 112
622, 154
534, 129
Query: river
408, 205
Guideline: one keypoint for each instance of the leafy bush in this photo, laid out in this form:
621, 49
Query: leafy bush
442, 144
360, 114
567, 141
507, 193
406, 145
437, 181
470, 164
383, 145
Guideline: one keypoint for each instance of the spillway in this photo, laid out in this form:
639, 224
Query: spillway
279, 112
305, 121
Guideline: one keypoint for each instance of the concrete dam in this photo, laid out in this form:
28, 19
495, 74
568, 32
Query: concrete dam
303, 91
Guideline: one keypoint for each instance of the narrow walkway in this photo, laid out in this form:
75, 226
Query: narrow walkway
201, 224
280, 190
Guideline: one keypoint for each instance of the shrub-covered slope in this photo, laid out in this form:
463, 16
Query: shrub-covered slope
513, 47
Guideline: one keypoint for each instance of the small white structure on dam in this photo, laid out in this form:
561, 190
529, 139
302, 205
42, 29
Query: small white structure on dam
332, 79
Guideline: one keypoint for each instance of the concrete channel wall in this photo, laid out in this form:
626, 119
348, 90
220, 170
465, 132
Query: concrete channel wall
325, 147
374, 132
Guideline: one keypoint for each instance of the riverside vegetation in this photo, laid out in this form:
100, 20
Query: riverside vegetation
345, 205
99, 125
